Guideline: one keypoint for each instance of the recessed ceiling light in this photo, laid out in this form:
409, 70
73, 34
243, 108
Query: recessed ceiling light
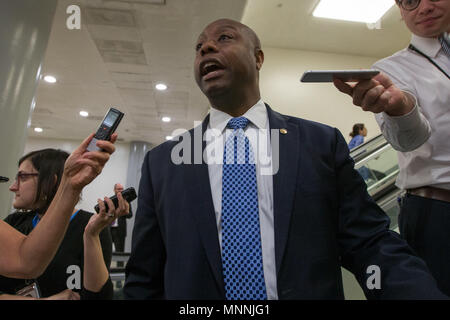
169, 137
50, 79
161, 86
84, 113
37, 129
367, 11
166, 119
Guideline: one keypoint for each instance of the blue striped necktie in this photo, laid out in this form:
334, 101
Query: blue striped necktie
241, 238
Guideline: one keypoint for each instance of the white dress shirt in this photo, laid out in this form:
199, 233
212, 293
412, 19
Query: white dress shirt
260, 144
422, 137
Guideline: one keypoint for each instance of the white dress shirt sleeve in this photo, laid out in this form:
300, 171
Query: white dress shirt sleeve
408, 132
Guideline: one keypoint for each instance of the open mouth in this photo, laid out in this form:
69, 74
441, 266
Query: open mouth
210, 69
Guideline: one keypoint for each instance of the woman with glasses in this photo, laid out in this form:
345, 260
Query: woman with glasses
28, 256
81, 261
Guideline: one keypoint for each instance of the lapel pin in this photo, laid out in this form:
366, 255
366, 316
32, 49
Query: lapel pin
283, 131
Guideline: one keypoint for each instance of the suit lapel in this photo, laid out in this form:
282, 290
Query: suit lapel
284, 181
203, 209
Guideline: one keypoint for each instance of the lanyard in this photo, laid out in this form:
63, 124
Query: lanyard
36, 218
411, 47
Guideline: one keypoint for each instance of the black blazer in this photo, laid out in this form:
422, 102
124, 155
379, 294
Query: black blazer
70, 253
323, 219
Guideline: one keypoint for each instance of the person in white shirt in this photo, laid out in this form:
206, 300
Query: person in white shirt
411, 100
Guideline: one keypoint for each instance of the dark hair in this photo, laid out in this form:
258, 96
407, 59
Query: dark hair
49, 163
356, 128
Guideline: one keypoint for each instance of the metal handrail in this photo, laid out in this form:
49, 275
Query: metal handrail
368, 151
368, 147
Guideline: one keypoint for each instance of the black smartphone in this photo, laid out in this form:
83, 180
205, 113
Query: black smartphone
128, 194
107, 127
345, 75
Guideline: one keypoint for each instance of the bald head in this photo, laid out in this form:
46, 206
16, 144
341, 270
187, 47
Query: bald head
247, 31
227, 63
118, 188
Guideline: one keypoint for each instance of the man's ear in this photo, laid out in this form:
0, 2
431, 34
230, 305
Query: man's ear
259, 55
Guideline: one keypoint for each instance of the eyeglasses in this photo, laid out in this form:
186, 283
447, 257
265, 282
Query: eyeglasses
24, 176
410, 5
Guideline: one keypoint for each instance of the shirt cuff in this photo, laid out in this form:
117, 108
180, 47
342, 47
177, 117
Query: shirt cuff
409, 121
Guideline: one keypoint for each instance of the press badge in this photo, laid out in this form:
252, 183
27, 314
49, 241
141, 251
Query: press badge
32, 290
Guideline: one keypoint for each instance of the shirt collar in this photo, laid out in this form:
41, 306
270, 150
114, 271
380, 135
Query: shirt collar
256, 114
429, 46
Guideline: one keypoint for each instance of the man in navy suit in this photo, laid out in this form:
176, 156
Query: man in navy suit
314, 211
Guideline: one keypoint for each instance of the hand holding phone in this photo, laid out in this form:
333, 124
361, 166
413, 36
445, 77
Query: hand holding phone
107, 128
378, 95
128, 194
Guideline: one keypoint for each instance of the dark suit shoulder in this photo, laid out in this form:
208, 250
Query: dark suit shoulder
278, 119
161, 150
163, 153
168, 145
310, 132
309, 125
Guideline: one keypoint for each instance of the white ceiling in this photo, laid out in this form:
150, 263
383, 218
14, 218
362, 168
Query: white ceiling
125, 47
290, 24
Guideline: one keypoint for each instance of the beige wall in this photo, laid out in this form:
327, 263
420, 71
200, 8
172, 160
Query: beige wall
282, 90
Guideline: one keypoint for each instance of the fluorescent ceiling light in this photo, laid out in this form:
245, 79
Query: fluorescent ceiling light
50, 79
161, 86
367, 11
38, 129
166, 119
84, 114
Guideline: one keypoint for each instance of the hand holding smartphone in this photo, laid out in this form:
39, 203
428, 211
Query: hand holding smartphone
344, 75
107, 128
128, 194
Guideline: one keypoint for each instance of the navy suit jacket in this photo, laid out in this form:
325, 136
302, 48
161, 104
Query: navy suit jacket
323, 219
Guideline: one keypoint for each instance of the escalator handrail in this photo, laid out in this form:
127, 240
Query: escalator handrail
386, 184
361, 151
